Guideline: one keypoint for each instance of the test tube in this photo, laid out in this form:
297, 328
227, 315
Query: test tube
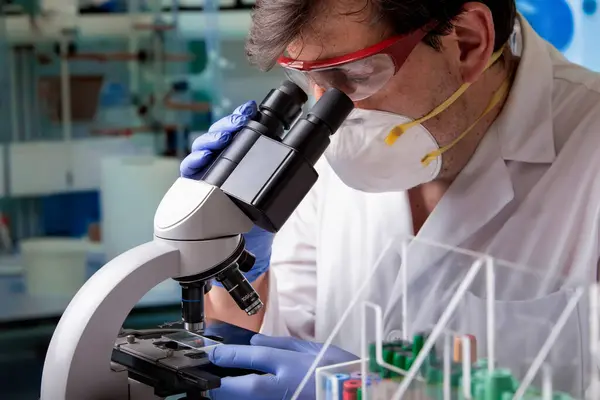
400, 360
373, 366
350, 389
334, 386
459, 348
372, 384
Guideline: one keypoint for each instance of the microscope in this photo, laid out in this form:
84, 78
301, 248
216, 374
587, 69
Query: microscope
259, 179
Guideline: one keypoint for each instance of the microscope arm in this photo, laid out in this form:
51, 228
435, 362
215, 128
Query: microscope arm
260, 178
79, 356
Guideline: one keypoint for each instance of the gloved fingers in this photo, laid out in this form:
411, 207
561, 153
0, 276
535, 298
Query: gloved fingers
278, 342
260, 247
333, 354
248, 109
255, 387
194, 163
259, 242
212, 140
259, 233
235, 121
246, 357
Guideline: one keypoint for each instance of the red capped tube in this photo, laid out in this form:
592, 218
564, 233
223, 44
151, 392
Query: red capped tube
351, 387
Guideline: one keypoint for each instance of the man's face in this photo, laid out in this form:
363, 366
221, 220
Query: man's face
425, 80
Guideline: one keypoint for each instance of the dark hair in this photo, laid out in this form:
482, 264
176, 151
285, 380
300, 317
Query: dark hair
276, 23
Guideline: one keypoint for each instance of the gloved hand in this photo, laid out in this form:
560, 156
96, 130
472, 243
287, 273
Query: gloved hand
286, 360
204, 150
207, 146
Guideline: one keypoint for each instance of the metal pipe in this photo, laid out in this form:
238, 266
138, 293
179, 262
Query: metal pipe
133, 67
126, 56
37, 130
14, 112
25, 95
65, 101
65, 91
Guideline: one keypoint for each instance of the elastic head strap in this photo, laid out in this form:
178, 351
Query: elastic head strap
498, 97
398, 130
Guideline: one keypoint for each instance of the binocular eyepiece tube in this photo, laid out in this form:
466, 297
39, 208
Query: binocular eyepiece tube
309, 136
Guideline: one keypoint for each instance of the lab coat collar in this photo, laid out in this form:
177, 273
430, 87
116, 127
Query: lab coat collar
525, 125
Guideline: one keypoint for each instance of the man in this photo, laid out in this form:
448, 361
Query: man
501, 159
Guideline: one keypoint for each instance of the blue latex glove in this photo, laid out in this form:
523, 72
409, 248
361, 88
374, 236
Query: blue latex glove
286, 360
207, 146
204, 150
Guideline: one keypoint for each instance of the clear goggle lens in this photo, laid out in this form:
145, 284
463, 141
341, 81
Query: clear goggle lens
357, 79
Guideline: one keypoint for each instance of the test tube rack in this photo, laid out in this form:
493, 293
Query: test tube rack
442, 364
433, 380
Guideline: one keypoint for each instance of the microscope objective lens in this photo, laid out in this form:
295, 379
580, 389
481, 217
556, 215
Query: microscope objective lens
192, 306
240, 290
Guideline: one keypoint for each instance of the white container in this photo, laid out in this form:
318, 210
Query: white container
11, 275
55, 266
131, 189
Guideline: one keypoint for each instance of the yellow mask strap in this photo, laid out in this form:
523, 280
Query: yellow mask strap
398, 130
498, 96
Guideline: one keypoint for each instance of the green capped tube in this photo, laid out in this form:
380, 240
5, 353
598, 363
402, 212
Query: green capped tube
500, 381
373, 366
418, 343
399, 361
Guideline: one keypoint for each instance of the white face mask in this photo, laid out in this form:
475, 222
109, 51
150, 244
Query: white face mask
359, 155
376, 151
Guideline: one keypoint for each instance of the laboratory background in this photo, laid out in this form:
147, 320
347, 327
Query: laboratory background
99, 102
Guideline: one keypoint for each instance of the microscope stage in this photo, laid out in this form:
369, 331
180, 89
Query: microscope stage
168, 366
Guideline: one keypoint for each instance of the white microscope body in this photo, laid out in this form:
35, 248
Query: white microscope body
196, 227
259, 179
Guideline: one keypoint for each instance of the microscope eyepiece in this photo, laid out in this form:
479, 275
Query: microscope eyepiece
276, 113
310, 136
267, 173
332, 109
284, 104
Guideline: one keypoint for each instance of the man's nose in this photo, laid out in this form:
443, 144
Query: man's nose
317, 91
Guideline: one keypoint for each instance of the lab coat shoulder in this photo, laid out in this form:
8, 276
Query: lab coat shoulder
576, 109
576, 123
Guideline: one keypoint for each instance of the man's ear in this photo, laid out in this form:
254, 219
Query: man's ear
475, 34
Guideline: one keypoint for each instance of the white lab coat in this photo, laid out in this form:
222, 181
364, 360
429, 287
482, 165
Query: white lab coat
530, 195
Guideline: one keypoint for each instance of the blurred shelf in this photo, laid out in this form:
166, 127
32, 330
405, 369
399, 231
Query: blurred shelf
20, 308
232, 24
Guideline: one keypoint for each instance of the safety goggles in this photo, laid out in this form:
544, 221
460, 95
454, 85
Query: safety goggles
359, 74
